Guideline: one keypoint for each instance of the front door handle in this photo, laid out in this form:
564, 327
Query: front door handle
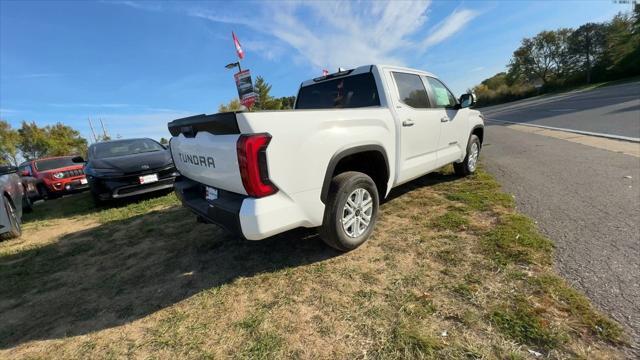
444, 119
407, 122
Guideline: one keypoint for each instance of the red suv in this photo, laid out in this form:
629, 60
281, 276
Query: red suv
56, 175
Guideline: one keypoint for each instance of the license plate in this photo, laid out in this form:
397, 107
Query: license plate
146, 179
83, 181
212, 193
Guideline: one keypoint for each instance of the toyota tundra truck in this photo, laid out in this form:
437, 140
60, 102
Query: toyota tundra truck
351, 137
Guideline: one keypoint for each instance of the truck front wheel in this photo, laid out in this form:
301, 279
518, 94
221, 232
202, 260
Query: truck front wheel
470, 163
351, 211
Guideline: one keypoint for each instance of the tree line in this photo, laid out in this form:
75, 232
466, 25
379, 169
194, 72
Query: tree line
264, 99
564, 58
31, 141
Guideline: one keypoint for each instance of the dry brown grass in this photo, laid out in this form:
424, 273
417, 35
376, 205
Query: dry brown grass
449, 273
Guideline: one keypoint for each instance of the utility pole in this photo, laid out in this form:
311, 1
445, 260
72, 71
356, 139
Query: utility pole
104, 131
95, 139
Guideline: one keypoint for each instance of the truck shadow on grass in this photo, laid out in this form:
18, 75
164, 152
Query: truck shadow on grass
121, 271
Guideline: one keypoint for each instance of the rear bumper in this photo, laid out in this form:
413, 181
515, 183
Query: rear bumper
254, 219
224, 211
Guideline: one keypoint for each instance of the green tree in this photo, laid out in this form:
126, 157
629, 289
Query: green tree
545, 58
164, 141
265, 101
56, 140
233, 105
34, 141
287, 102
65, 140
588, 44
623, 44
9, 141
496, 81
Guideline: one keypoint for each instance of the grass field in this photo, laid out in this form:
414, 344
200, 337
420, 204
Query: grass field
452, 271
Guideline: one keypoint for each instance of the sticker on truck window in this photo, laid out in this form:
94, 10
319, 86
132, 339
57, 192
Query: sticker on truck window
442, 97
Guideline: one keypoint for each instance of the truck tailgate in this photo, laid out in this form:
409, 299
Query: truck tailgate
204, 150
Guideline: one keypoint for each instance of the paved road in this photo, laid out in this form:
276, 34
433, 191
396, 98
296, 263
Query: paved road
611, 110
582, 198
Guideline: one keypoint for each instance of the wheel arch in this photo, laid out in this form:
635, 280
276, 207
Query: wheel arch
377, 167
478, 131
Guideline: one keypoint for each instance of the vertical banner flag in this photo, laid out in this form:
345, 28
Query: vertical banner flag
236, 42
245, 88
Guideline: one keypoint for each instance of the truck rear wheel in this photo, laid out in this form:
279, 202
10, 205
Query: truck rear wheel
351, 211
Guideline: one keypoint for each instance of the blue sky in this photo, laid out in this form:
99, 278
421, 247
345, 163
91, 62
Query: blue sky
139, 64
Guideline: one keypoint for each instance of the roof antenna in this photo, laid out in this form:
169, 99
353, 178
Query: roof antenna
341, 69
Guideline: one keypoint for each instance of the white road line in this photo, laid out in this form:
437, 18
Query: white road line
609, 136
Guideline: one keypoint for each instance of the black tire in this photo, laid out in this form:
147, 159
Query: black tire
27, 204
463, 168
342, 186
15, 230
97, 201
46, 194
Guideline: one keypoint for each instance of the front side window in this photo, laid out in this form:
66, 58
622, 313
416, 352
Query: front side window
411, 90
443, 98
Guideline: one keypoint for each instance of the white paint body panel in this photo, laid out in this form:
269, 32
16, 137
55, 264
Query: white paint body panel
304, 141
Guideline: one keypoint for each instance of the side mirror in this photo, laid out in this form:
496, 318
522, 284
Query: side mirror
4, 170
467, 100
78, 160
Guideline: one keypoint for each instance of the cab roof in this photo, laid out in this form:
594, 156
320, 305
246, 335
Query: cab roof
363, 69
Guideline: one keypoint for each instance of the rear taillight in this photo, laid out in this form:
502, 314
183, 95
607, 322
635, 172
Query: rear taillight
252, 158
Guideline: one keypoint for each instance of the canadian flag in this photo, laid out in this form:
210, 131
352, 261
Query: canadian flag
325, 72
236, 42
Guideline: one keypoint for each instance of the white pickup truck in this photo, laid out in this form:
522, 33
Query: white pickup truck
352, 136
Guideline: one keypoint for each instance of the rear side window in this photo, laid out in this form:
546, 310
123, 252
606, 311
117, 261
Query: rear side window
442, 96
344, 93
411, 90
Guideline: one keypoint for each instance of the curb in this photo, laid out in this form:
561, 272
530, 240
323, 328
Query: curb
608, 136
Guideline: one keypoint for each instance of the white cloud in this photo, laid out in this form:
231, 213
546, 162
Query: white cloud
35, 75
86, 105
140, 5
152, 125
450, 26
329, 34
347, 34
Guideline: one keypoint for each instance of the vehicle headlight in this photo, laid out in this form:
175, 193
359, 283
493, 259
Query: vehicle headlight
58, 175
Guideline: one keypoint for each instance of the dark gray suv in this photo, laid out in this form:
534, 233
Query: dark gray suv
11, 199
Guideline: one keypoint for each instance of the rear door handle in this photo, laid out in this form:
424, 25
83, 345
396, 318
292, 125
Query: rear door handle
407, 122
444, 119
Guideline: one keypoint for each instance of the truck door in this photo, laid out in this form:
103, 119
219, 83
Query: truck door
453, 134
419, 127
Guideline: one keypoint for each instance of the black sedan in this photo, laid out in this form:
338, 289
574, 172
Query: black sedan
122, 168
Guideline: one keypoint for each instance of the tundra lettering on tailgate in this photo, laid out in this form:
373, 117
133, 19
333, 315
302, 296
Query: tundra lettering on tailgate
206, 161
